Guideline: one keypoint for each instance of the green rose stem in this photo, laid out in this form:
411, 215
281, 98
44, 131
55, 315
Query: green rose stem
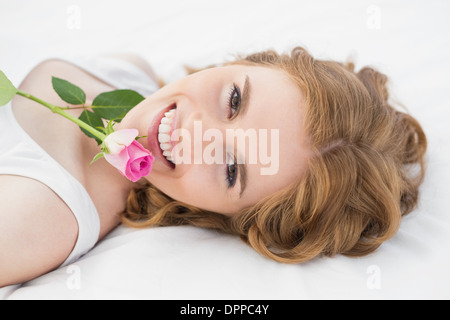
60, 111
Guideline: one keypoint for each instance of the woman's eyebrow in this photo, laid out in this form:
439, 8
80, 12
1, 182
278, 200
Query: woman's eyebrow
245, 97
242, 169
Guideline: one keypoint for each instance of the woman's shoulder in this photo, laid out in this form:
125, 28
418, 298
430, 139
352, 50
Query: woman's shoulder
49, 131
38, 230
38, 80
94, 74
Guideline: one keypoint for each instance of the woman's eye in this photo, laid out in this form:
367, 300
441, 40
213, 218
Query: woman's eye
231, 173
234, 101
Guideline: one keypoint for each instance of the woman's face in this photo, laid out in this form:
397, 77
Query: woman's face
235, 135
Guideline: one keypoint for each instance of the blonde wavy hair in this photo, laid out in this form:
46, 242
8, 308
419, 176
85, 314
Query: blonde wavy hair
364, 173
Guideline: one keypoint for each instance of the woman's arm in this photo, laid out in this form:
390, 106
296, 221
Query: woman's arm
37, 230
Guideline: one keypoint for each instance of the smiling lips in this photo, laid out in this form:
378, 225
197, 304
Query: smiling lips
164, 130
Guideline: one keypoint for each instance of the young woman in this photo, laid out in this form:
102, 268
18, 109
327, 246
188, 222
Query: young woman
344, 167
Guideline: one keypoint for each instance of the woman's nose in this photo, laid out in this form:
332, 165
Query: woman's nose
200, 139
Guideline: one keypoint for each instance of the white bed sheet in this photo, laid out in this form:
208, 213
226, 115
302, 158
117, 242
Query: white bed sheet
408, 40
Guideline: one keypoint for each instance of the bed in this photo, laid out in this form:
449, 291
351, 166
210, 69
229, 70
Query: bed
408, 40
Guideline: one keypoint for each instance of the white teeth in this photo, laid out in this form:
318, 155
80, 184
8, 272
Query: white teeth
168, 155
170, 113
167, 120
163, 137
164, 128
164, 134
165, 146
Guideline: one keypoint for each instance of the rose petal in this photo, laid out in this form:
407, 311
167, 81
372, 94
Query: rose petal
136, 150
116, 140
134, 161
119, 161
113, 147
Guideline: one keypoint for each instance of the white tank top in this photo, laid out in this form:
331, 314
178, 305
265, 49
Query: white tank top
20, 155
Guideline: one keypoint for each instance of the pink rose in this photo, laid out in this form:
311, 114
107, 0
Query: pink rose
127, 155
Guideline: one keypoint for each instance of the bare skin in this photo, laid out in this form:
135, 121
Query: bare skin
34, 242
